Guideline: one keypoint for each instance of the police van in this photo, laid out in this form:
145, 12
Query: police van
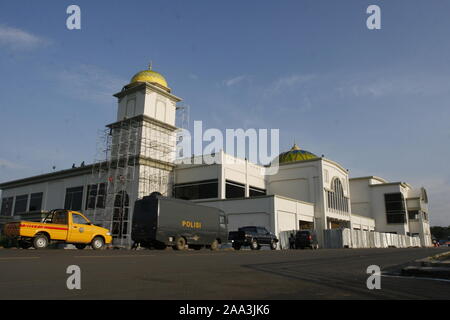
159, 222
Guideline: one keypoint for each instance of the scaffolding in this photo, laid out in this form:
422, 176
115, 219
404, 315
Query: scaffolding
134, 158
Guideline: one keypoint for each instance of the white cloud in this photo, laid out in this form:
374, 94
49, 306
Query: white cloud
5, 164
17, 39
288, 82
88, 82
393, 84
236, 80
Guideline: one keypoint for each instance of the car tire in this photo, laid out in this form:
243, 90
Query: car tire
273, 245
236, 246
214, 245
98, 243
80, 246
180, 244
254, 245
40, 241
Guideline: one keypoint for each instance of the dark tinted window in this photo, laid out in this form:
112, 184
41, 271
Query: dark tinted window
36, 201
234, 190
395, 218
21, 204
413, 214
91, 196
74, 198
96, 196
255, 192
7, 204
197, 190
248, 229
101, 195
395, 207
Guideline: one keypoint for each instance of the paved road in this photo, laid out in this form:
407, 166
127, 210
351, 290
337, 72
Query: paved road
148, 274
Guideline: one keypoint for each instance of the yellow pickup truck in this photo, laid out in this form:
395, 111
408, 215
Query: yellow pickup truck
63, 226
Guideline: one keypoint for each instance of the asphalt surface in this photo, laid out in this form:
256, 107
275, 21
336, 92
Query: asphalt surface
265, 274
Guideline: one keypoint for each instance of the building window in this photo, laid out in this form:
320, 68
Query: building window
21, 204
7, 204
74, 198
335, 198
395, 207
255, 192
234, 190
197, 190
413, 215
36, 201
120, 215
96, 196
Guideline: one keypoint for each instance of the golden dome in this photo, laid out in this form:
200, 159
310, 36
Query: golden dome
296, 154
151, 77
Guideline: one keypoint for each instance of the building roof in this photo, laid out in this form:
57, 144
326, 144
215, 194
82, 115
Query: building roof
370, 177
47, 176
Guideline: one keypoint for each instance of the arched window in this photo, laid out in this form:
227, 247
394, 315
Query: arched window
336, 199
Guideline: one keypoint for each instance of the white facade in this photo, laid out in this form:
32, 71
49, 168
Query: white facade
368, 200
307, 192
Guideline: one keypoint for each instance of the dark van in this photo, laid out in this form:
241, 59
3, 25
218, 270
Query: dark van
160, 221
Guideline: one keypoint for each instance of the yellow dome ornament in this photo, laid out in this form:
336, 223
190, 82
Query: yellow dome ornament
296, 154
150, 76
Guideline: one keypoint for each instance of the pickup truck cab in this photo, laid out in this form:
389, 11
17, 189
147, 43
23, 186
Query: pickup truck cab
253, 237
63, 226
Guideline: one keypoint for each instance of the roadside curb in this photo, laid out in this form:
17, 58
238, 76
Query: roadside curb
429, 267
433, 259
430, 272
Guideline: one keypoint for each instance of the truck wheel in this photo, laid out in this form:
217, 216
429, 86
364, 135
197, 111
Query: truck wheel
254, 245
25, 244
236, 246
214, 245
98, 243
40, 241
180, 243
80, 246
273, 245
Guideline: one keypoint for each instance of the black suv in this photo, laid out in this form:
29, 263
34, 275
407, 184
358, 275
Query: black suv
253, 237
306, 239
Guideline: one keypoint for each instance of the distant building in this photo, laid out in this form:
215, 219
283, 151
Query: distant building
308, 192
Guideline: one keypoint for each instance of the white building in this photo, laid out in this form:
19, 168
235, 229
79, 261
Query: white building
307, 192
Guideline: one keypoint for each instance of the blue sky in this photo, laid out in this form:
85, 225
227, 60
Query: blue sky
375, 101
